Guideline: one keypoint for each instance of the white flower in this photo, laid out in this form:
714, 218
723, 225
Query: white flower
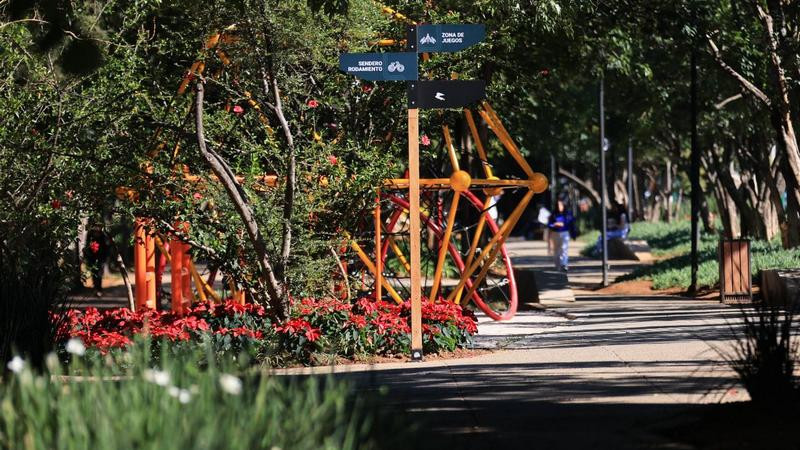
16, 364
76, 347
51, 361
159, 377
183, 395
230, 384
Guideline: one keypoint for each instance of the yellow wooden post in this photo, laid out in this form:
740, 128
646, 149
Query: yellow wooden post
491, 249
487, 169
371, 267
415, 230
451, 151
445, 245
399, 253
476, 238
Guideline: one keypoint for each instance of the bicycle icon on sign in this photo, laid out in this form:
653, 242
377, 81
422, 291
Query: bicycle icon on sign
396, 67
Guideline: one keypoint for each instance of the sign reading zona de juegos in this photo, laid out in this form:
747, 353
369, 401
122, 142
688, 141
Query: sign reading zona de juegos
399, 66
448, 37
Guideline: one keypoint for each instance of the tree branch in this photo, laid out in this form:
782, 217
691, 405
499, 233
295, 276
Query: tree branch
273, 287
775, 57
291, 176
745, 83
581, 184
730, 99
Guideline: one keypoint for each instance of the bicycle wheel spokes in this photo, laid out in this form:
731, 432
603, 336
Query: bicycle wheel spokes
468, 223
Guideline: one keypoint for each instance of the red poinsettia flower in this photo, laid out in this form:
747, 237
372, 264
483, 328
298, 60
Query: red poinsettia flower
333, 160
312, 103
312, 334
56, 203
94, 247
358, 321
426, 141
366, 88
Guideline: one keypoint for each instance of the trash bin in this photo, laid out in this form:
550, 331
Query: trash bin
735, 282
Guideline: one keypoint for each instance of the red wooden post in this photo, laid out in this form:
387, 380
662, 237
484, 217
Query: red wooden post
378, 248
176, 271
186, 277
150, 253
140, 264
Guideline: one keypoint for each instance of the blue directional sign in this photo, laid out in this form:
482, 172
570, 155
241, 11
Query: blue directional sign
443, 94
448, 38
380, 66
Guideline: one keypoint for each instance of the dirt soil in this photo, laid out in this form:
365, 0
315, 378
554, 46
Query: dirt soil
645, 287
329, 360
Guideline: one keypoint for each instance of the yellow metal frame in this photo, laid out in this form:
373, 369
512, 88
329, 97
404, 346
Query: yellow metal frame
491, 185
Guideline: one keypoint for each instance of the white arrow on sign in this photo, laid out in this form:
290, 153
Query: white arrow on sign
439, 96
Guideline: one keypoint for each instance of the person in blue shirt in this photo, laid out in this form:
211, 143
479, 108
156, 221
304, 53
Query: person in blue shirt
562, 227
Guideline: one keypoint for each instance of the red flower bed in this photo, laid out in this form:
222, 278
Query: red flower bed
316, 325
371, 327
116, 328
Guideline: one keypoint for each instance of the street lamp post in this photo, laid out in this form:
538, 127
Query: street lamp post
603, 189
694, 172
630, 180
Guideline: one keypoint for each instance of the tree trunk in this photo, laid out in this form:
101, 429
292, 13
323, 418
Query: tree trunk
637, 200
280, 308
782, 122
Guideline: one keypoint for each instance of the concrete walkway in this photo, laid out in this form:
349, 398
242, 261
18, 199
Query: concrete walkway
596, 373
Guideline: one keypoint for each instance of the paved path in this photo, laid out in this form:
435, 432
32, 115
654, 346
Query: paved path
597, 373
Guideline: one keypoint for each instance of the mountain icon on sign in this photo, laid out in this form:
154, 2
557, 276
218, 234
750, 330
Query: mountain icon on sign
428, 39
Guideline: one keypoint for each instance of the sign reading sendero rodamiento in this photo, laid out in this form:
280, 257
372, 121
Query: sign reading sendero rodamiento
448, 38
380, 66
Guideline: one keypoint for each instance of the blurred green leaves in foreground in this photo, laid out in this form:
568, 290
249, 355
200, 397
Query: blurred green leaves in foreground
167, 401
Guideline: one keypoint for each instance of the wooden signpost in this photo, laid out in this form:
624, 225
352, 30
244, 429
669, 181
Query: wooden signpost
424, 94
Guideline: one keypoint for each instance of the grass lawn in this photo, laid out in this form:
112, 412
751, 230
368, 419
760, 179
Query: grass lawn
671, 245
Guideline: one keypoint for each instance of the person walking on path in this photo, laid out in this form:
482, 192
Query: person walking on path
562, 228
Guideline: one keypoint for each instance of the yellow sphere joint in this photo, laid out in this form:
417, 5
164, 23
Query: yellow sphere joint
538, 183
460, 181
493, 190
